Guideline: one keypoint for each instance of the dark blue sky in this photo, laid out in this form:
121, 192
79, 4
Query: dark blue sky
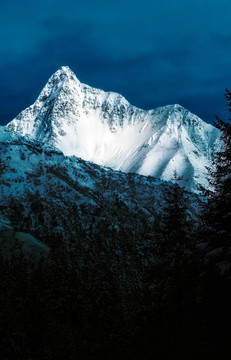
153, 52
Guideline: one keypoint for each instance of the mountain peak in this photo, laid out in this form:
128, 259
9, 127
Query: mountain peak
104, 128
65, 69
62, 75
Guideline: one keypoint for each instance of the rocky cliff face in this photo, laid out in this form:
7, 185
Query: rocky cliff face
104, 128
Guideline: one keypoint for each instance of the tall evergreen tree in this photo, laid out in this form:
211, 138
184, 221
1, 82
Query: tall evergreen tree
216, 234
218, 205
172, 281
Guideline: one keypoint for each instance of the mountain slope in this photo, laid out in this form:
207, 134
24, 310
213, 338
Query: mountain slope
104, 128
10, 239
105, 265
49, 195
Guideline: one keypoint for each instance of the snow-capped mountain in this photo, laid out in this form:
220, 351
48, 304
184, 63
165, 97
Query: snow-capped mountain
104, 128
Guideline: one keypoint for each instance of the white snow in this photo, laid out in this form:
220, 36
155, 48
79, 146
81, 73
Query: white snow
104, 128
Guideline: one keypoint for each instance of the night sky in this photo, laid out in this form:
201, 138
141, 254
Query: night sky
153, 52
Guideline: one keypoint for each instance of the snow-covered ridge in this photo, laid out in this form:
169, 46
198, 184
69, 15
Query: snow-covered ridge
104, 128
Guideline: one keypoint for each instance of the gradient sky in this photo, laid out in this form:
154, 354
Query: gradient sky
153, 52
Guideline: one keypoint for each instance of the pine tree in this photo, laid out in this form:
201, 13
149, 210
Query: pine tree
173, 279
216, 234
217, 212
